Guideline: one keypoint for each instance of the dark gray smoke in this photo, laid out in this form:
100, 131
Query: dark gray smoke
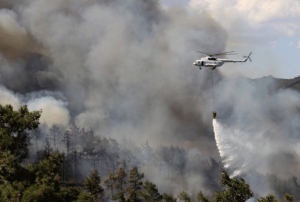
120, 68
123, 67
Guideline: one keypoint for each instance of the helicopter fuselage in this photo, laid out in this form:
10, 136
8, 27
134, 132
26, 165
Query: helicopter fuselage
214, 62
209, 62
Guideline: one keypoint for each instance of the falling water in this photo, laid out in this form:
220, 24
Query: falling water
231, 143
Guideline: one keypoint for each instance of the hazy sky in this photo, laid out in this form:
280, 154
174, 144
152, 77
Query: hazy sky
269, 28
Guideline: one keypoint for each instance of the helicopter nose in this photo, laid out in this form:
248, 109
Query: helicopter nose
195, 63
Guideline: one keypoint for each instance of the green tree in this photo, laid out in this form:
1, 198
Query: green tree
8, 167
69, 193
46, 187
119, 197
236, 190
41, 193
269, 198
120, 180
135, 185
168, 198
92, 184
183, 196
85, 197
109, 183
150, 193
14, 149
10, 192
13, 126
288, 197
48, 169
201, 197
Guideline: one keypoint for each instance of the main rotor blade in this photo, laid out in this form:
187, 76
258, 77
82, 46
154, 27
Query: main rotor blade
225, 53
204, 53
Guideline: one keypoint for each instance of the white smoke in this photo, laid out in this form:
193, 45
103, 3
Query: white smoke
260, 133
8, 97
53, 111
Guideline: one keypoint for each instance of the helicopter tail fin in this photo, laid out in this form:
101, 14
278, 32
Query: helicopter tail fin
248, 57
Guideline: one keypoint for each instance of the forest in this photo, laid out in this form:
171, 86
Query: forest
76, 165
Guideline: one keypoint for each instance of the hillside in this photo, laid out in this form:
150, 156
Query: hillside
280, 83
290, 83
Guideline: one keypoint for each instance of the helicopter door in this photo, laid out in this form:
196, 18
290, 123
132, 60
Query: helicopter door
202, 63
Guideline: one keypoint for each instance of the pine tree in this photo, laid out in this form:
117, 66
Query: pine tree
13, 126
109, 183
269, 198
150, 193
183, 196
288, 198
84, 197
48, 169
135, 184
46, 187
14, 149
119, 197
92, 184
120, 180
168, 198
201, 197
236, 190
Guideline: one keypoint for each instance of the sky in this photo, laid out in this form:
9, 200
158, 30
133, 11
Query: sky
270, 29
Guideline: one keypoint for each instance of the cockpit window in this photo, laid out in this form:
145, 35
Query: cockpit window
211, 58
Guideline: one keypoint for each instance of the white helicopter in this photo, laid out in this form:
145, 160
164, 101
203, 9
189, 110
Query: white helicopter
213, 62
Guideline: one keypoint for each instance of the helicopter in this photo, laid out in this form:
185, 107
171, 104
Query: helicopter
213, 62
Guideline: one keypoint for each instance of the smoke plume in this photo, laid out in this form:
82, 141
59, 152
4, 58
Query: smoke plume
123, 69
256, 130
125, 65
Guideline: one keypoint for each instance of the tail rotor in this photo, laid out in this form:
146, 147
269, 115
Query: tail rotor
248, 57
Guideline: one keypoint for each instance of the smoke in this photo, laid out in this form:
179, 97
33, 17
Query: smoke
8, 97
124, 70
122, 67
257, 131
15, 41
53, 111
